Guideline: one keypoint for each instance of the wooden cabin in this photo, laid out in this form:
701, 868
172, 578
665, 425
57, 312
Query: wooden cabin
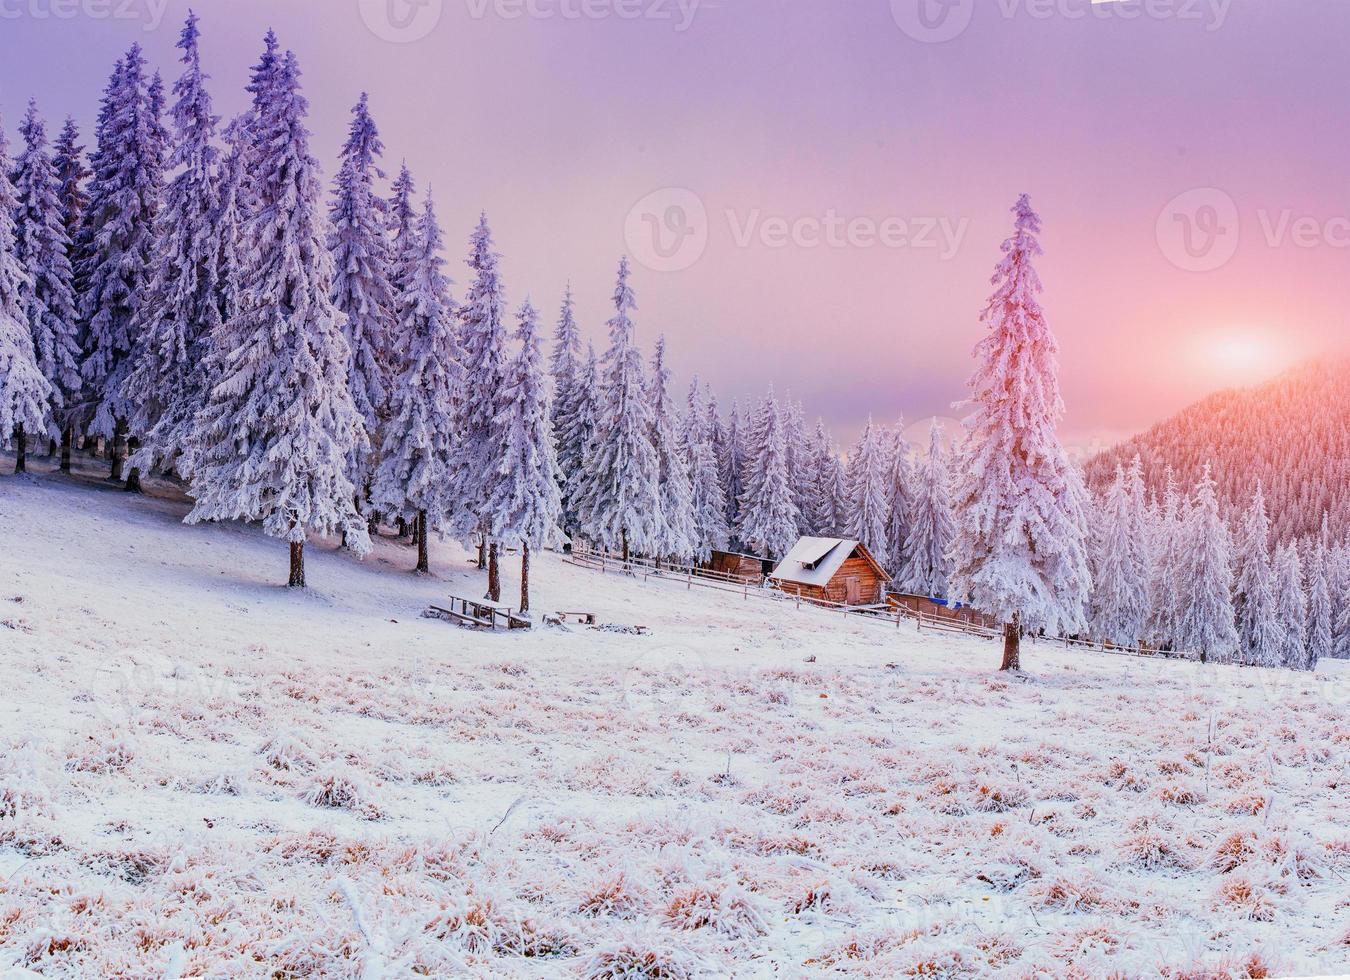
832, 570
749, 568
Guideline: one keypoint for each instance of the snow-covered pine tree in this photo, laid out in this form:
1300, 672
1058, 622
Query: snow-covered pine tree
48, 295
1321, 635
1119, 605
1019, 553
1167, 548
767, 509
731, 462
619, 502
361, 288
577, 427
25, 395
869, 501
117, 246
928, 567
181, 314
798, 452
1207, 625
1291, 608
526, 505
818, 516
564, 366
401, 227
272, 442
414, 471
899, 498
483, 336
1253, 587
71, 173
675, 532
709, 506
694, 420
1340, 601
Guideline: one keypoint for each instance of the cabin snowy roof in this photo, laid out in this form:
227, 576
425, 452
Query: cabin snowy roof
815, 561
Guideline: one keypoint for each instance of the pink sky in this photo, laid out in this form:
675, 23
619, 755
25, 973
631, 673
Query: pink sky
764, 110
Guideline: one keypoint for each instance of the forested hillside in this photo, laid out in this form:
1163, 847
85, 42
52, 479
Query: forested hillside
1292, 434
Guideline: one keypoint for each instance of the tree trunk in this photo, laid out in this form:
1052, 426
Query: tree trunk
624, 534
525, 578
134, 477
482, 551
402, 528
67, 437
494, 574
297, 565
1012, 646
116, 449
51, 447
423, 558
21, 450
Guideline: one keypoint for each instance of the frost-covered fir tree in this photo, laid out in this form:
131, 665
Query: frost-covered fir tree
25, 395
1019, 553
731, 462
1321, 636
818, 516
675, 532
1253, 587
1168, 549
564, 368
899, 498
619, 501
401, 227
869, 499
1340, 602
1291, 609
526, 505
412, 480
1119, 607
71, 172
117, 246
927, 567
694, 420
768, 511
361, 288
483, 336
1207, 625
798, 453
273, 440
47, 296
577, 426
708, 504
183, 308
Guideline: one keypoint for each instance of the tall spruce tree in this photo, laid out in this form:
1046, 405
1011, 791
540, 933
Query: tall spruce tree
1291, 609
177, 323
1019, 552
412, 481
577, 426
361, 287
731, 462
768, 511
526, 505
675, 531
71, 171
483, 335
1321, 633
1119, 606
117, 246
25, 395
899, 498
619, 503
273, 440
564, 367
1253, 587
47, 296
869, 500
708, 503
1207, 624
928, 568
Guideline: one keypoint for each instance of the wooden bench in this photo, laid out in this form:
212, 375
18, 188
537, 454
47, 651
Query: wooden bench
464, 618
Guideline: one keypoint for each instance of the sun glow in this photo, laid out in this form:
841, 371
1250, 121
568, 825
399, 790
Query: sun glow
1241, 357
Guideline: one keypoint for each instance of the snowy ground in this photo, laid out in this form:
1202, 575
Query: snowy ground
202, 773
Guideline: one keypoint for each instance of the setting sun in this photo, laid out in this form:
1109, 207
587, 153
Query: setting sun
1241, 357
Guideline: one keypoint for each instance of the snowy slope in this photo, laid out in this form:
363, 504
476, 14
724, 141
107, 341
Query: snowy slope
203, 773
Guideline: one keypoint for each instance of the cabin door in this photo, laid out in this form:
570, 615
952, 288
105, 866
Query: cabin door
852, 591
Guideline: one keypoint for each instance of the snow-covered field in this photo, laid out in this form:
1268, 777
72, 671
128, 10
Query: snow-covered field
203, 773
